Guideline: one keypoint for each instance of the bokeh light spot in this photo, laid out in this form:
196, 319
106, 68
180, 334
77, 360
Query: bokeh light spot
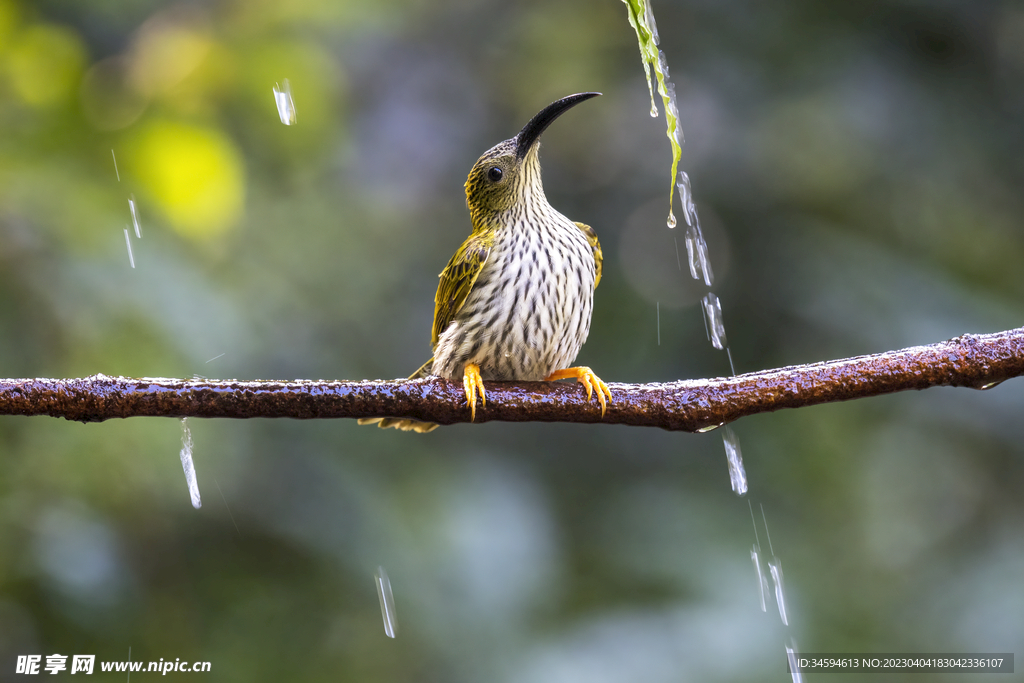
195, 174
165, 54
45, 64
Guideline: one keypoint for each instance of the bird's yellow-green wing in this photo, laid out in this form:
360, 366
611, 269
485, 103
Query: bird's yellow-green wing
596, 247
457, 280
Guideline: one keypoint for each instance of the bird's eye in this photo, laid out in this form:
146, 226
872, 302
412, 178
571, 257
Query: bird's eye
495, 174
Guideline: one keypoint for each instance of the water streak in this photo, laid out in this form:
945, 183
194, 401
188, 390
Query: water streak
764, 518
128, 241
657, 309
713, 316
186, 464
762, 580
671, 108
116, 172
135, 216
775, 566
226, 507
652, 26
737, 475
387, 602
696, 246
285, 103
794, 668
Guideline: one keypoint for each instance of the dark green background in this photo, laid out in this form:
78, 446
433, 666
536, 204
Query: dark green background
858, 169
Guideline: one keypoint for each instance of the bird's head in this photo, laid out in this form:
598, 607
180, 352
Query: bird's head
509, 172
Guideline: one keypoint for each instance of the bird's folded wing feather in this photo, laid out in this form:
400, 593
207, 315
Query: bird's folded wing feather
457, 280
596, 247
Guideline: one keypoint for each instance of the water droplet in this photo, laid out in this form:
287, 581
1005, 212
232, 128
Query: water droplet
387, 602
762, 580
135, 215
654, 108
709, 428
128, 241
671, 219
285, 104
776, 569
737, 475
186, 464
115, 165
216, 357
713, 317
991, 385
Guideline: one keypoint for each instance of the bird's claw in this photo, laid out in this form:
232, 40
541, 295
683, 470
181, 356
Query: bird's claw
589, 380
472, 382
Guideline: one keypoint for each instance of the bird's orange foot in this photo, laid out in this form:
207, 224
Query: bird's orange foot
473, 382
587, 378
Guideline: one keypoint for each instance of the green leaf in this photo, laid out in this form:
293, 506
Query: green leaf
641, 18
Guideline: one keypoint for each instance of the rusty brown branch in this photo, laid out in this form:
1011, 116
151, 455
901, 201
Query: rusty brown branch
975, 361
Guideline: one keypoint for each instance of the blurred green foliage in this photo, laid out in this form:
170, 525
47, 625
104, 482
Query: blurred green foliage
857, 167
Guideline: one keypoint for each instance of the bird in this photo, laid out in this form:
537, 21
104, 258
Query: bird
515, 301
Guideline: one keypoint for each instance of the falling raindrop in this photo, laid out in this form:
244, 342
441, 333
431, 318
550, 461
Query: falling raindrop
135, 216
285, 104
737, 475
776, 569
387, 602
116, 172
216, 357
762, 580
186, 464
713, 317
128, 241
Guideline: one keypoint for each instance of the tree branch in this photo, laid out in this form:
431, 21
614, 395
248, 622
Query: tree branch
976, 361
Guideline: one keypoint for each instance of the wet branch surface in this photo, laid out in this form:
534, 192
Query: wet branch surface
975, 361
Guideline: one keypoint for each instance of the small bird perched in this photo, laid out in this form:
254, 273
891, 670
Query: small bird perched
514, 302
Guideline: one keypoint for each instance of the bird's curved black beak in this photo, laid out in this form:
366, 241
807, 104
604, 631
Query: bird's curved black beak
532, 130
